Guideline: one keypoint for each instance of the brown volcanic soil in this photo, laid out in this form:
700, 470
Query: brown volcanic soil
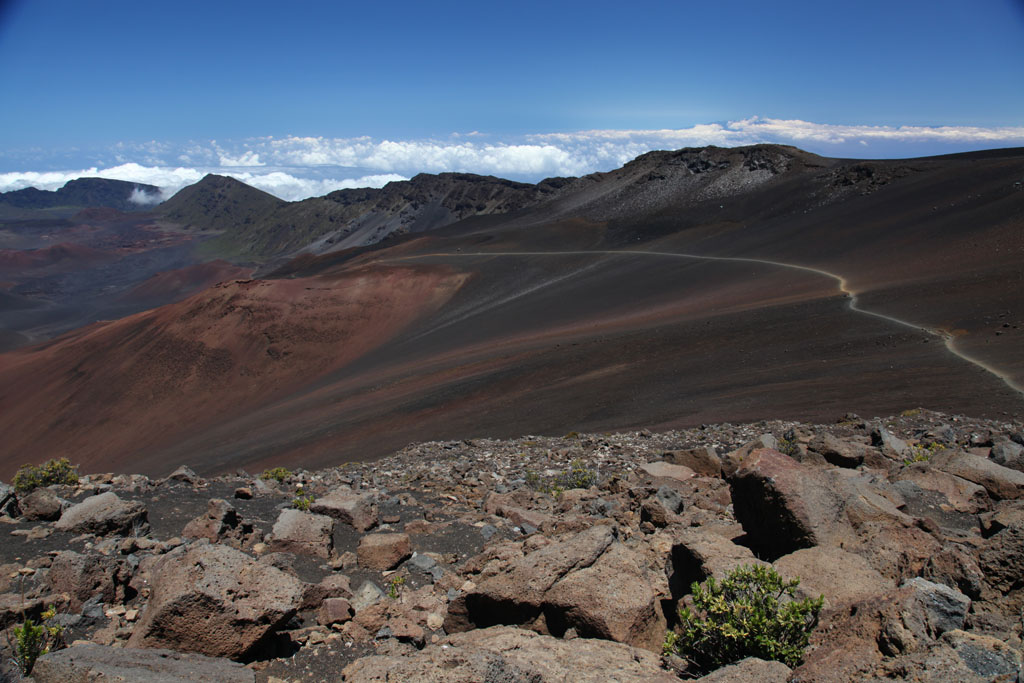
479, 330
119, 390
181, 281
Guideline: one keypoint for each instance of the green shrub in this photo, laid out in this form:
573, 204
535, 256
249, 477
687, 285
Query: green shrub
278, 474
302, 500
30, 477
29, 641
578, 476
750, 613
395, 586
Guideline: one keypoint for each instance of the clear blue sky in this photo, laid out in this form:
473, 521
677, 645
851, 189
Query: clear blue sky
79, 77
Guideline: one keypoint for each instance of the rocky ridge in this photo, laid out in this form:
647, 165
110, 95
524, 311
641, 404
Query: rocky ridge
537, 559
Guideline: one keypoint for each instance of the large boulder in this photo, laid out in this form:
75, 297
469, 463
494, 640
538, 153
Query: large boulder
42, 504
216, 601
221, 523
588, 582
91, 662
610, 599
963, 495
837, 451
702, 460
783, 505
515, 656
1002, 483
358, 510
84, 576
840, 576
697, 555
299, 532
103, 514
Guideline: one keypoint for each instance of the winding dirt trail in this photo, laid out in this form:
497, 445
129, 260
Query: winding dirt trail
947, 339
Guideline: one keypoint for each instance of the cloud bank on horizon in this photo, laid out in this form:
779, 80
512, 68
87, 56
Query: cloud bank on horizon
294, 167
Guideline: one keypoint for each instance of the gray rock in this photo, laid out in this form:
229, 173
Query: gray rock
185, 474
299, 532
886, 442
90, 662
82, 577
670, 499
934, 608
1008, 454
103, 514
984, 655
8, 501
368, 594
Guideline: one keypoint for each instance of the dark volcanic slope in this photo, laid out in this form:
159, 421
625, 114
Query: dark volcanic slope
693, 286
116, 194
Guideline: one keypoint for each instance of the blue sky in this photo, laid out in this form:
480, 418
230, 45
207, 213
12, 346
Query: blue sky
303, 97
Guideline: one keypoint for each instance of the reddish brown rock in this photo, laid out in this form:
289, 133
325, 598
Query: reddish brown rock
84, 576
216, 601
1002, 483
840, 576
358, 510
383, 551
334, 611
508, 654
704, 460
783, 505
42, 504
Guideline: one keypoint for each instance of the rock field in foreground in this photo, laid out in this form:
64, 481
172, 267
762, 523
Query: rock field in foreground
537, 559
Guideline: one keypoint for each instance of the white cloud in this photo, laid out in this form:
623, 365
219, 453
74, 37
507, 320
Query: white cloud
248, 158
296, 167
143, 198
170, 180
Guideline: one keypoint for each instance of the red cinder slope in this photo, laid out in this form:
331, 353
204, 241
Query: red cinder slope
108, 394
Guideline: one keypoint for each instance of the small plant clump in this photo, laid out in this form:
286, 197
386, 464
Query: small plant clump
278, 474
789, 447
302, 499
394, 586
577, 476
923, 453
753, 612
30, 641
31, 477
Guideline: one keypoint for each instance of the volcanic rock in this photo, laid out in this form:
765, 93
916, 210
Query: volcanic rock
216, 601
41, 504
1002, 483
358, 510
840, 576
91, 662
750, 670
103, 514
508, 654
704, 460
383, 551
82, 577
300, 532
